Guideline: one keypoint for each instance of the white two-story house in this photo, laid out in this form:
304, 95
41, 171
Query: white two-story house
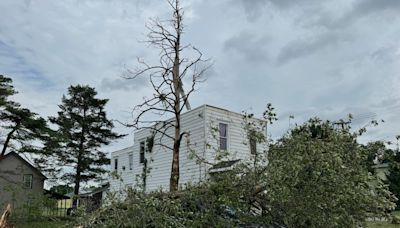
212, 132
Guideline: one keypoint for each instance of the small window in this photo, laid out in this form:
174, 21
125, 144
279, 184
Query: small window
27, 181
142, 150
130, 161
223, 136
116, 163
149, 144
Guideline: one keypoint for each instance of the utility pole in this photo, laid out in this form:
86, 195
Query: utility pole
342, 123
290, 117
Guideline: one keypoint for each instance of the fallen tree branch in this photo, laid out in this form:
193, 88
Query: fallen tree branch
3, 219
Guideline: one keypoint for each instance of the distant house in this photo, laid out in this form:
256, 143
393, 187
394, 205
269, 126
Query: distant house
210, 129
94, 198
20, 182
382, 171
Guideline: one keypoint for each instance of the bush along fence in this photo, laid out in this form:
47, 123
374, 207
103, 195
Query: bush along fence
50, 206
39, 207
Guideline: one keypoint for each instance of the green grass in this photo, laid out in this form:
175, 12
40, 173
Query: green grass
43, 224
67, 223
385, 224
382, 225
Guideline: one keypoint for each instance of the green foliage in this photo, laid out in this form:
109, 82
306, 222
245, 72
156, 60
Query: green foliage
318, 177
138, 210
207, 205
39, 211
36, 207
394, 176
228, 199
62, 189
269, 114
83, 127
377, 153
315, 176
20, 124
6, 90
24, 130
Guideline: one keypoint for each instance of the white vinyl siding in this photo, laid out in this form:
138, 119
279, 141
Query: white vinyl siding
117, 184
202, 124
237, 140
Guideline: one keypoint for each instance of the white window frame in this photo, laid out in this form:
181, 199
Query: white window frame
226, 137
130, 158
142, 142
28, 183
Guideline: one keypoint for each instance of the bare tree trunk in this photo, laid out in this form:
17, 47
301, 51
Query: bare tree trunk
77, 182
9, 135
166, 78
79, 162
174, 179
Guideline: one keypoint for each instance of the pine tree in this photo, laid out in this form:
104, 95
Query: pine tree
21, 127
6, 90
83, 129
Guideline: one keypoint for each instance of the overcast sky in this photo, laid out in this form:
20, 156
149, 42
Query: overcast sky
307, 57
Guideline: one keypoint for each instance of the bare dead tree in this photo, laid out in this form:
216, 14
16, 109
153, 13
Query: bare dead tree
166, 79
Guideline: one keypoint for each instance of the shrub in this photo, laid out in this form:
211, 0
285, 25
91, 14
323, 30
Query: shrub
193, 208
318, 177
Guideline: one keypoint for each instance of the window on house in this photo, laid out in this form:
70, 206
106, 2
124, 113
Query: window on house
116, 163
149, 144
142, 150
130, 161
223, 136
27, 180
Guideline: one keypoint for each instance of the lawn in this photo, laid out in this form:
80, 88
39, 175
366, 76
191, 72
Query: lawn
382, 225
56, 224
67, 223
385, 224
43, 224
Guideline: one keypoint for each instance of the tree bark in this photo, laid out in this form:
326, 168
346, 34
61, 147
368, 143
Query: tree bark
169, 96
9, 135
79, 162
174, 179
77, 184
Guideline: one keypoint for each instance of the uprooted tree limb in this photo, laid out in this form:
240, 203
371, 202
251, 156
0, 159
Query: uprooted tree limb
4, 217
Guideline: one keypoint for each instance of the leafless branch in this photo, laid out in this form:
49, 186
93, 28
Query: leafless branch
166, 80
